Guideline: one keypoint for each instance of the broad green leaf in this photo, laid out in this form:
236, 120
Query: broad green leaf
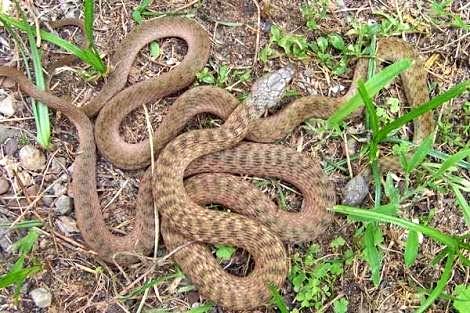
337, 41
462, 298
18, 276
224, 252
340, 305
154, 49
411, 248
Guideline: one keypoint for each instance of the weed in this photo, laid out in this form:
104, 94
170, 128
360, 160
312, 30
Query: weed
313, 12
223, 76
313, 279
18, 273
461, 301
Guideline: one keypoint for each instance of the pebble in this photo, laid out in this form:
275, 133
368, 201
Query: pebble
11, 146
355, 191
63, 205
42, 297
32, 158
5, 241
8, 104
7, 132
59, 189
4, 185
58, 164
67, 225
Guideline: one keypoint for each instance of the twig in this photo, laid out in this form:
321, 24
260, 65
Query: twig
255, 57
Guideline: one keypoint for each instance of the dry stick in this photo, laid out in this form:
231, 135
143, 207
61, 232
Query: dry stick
348, 159
186, 5
258, 10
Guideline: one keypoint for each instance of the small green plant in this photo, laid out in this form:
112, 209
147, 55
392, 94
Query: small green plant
313, 12
18, 273
314, 278
224, 77
370, 232
461, 301
441, 14
87, 55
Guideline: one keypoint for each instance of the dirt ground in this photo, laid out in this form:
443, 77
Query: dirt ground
81, 282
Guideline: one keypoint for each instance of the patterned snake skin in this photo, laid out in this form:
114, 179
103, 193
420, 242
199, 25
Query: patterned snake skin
209, 158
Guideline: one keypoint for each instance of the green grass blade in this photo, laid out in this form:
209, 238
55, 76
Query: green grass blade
452, 161
86, 55
383, 218
373, 86
205, 308
411, 248
277, 299
23, 224
40, 111
18, 276
371, 252
441, 284
426, 107
420, 154
462, 203
88, 10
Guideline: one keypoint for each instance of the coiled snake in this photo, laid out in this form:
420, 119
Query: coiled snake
197, 154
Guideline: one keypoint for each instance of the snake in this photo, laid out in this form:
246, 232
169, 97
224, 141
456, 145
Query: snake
202, 166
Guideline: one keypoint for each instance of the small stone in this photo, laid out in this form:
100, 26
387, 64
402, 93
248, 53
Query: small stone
59, 189
42, 297
63, 205
58, 164
10, 146
5, 241
8, 104
7, 132
4, 185
67, 225
23, 179
32, 158
355, 191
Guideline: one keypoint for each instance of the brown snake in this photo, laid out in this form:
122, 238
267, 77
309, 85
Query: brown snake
183, 219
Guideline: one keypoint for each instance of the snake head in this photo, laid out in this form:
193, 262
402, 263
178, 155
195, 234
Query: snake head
267, 91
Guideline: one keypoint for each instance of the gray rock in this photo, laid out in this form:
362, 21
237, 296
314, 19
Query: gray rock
59, 189
5, 241
8, 104
58, 164
32, 158
67, 225
11, 146
355, 191
4, 185
7, 132
42, 297
63, 205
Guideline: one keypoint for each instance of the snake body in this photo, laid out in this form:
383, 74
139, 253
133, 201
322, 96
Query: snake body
183, 218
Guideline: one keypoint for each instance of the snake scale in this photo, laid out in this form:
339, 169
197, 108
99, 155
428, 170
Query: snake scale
209, 160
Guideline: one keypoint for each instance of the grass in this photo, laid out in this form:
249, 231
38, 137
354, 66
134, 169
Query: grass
19, 272
372, 236
89, 55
